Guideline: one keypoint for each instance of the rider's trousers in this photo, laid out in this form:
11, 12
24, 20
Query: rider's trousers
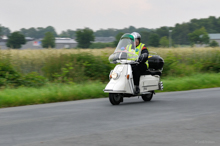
137, 70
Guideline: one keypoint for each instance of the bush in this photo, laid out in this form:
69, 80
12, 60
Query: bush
32, 80
214, 44
11, 78
174, 66
77, 68
8, 75
63, 67
186, 64
211, 62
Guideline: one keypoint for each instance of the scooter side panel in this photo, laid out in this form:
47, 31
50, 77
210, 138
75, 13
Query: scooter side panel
149, 83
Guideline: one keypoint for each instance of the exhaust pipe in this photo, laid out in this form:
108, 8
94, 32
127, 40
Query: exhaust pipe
161, 85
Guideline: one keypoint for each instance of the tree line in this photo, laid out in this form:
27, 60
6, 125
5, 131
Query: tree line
181, 33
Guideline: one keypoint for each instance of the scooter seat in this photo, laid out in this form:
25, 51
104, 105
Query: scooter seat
153, 73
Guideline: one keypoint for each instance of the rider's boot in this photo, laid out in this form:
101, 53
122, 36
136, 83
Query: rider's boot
137, 89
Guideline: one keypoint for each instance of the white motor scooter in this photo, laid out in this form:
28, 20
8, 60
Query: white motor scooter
121, 82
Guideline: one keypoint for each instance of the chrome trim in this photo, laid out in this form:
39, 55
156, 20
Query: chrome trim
146, 92
160, 85
114, 91
107, 90
149, 85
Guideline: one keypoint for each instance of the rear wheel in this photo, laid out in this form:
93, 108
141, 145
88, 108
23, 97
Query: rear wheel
115, 98
147, 97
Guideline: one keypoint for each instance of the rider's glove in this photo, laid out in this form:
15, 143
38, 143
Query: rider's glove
143, 58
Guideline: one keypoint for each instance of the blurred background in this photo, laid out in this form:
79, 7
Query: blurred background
48, 43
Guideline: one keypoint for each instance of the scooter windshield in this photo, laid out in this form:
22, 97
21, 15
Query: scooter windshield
125, 50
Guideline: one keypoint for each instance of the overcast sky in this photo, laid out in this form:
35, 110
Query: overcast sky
97, 14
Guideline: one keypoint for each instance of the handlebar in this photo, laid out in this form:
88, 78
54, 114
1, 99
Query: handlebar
127, 61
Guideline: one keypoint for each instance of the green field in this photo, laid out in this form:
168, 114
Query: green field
51, 75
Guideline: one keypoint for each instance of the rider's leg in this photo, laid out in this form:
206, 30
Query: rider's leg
136, 74
137, 71
136, 77
143, 68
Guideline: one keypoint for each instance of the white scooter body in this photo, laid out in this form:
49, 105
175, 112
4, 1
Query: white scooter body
121, 82
124, 83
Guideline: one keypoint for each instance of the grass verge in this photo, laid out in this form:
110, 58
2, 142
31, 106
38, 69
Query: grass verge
50, 93
64, 92
195, 81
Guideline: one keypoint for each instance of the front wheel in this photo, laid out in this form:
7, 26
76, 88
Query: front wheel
147, 97
115, 98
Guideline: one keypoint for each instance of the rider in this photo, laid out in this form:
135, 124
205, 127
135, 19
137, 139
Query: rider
143, 61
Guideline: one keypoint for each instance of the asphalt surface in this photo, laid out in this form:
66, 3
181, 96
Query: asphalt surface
187, 118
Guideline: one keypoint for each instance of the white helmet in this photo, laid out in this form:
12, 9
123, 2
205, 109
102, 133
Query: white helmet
136, 35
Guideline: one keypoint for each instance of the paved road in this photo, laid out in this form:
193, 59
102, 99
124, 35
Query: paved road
188, 118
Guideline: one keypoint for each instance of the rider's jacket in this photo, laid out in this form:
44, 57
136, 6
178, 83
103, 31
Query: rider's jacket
141, 49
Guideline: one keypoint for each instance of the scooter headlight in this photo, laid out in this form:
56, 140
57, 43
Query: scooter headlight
115, 75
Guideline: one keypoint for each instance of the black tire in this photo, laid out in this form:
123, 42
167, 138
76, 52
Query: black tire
147, 97
115, 98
